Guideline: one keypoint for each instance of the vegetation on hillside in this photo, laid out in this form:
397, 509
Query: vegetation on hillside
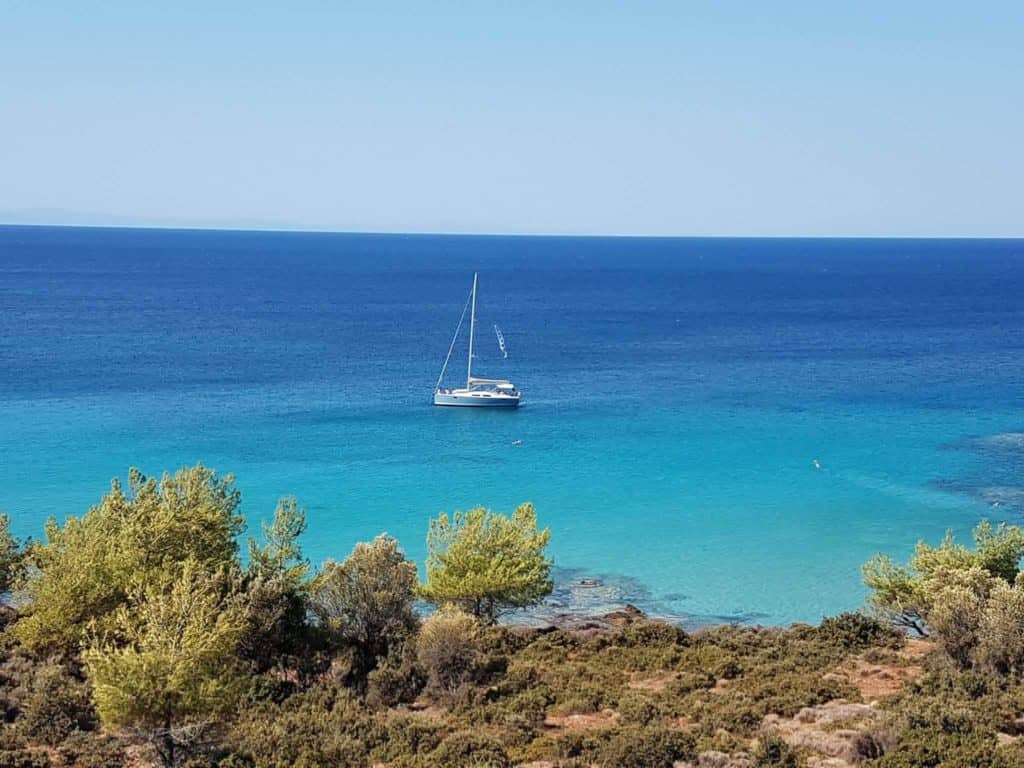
143, 636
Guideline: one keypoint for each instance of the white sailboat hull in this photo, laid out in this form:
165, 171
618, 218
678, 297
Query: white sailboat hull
472, 398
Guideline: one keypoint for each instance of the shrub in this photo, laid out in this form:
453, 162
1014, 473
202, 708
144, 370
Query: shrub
324, 726
743, 704
92, 751
366, 602
856, 631
11, 556
651, 747
56, 706
467, 749
637, 709
407, 736
15, 753
1001, 633
643, 646
722, 742
527, 709
927, 747
870, 745
773, 752
687, 682
399, 680
448, 650
957, 610
16, 673
714, 660
572, 744
25, 758
651, 634
236, 761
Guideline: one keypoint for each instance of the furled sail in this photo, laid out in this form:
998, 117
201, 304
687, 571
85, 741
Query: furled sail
501, 342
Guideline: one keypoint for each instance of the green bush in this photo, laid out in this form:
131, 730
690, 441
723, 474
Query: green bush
651, 747
637, 709
12, 558
1001, 633
398, 680
928, 747
56, 706
86, 750
448, 650
743, 704
527, 709
407, 735
572, 744
712, 659
235, 761
652, 634
856, 631
869, 745
687, 682
16, 673
366, 603
957, 702
773, 752
24, 758
325, 726
468, 749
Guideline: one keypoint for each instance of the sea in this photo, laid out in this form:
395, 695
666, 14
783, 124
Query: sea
714, 430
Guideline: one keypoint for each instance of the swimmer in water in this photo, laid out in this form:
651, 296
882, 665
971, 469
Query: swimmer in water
517, 442
817, 464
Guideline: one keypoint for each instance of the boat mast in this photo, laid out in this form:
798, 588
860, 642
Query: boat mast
472, 326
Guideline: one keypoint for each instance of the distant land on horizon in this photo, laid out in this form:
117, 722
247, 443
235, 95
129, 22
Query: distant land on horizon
72, 220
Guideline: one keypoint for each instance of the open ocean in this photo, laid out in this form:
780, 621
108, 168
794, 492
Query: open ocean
677, 394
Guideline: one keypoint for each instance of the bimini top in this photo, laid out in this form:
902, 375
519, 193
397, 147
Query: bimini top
498, 383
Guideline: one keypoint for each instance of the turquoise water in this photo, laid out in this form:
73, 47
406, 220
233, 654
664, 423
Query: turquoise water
677, 395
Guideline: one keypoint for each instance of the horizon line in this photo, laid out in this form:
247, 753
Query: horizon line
385, 233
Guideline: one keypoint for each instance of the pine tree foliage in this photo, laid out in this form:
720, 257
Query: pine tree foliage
487, 563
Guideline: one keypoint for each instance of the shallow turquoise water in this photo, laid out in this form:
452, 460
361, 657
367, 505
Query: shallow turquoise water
677, 395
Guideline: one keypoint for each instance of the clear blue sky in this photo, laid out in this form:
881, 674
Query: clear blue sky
689, 118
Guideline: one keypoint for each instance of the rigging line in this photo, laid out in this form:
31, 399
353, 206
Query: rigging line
452, 345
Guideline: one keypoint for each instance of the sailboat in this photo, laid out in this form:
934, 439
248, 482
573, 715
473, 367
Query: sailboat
478, 392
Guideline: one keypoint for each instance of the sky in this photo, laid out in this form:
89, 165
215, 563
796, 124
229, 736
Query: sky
631, 118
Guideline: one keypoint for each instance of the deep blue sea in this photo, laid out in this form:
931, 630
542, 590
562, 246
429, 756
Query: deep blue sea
712, 428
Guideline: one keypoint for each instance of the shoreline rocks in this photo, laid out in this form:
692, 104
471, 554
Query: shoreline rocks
579, 622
